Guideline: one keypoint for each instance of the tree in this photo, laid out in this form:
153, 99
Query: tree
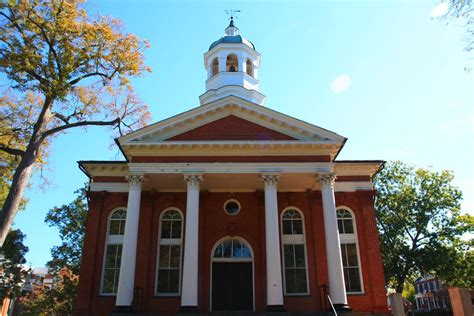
463, 10
66, 70
70, 219
13, 272
52, 301
420, 223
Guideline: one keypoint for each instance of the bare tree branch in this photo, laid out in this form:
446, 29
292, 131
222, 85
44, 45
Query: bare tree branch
92, 74
77, 124
12, 151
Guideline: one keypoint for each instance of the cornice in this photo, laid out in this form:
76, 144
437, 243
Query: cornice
357, 168
104, 169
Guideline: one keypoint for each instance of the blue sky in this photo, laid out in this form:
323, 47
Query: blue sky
385, 74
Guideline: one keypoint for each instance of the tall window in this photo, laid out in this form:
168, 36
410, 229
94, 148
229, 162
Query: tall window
113, 251
215, 66
294, 249
249, 67
232, 64
169, 253
349, 250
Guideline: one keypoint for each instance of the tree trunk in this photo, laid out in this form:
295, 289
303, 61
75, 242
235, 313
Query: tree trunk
401, 276
20, 181
23, 172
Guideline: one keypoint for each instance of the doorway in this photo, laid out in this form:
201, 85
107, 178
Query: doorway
232, 276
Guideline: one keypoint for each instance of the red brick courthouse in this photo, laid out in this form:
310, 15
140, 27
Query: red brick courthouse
231, 206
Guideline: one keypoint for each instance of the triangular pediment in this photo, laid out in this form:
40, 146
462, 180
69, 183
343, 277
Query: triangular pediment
230, 119
232, 128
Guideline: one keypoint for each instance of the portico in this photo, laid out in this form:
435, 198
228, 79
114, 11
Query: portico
244, 177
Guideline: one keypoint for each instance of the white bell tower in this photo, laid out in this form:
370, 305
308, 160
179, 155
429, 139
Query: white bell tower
232, 68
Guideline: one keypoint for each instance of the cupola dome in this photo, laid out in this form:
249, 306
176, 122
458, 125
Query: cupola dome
232, 36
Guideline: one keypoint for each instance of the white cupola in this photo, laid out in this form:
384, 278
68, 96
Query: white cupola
232, 68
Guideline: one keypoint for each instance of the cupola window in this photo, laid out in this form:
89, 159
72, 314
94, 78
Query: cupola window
232, 64
249, 67
215, 67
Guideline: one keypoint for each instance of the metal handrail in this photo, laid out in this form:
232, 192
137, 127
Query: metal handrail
330, 302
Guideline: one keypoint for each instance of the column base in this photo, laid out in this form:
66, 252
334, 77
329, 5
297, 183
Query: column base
342, 308
275, 309
122, 310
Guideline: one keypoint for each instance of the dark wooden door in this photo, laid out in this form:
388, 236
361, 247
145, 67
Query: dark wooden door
232, 286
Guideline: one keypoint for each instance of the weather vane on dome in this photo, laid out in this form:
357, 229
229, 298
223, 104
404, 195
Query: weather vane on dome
232, 13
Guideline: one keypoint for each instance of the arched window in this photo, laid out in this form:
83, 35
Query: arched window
215, 66
232, 249
232, 64
294, 250
169, 253
249, 67
349, 250
113, 251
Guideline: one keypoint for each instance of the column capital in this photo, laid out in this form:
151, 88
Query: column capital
136, 180
270, 180
326, 179
193, 180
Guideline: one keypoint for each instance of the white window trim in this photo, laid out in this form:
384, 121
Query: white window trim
110, 240
243, 241
294, 240
353, 239
169, 242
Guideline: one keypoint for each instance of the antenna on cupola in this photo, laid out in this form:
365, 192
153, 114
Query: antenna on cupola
232, 30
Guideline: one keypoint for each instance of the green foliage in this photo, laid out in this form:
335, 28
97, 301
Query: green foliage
70, 219
13, 273
420, 224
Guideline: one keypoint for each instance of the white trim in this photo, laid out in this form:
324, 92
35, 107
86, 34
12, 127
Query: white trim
352, 239
251, 167
109, 186
242, 240
228, 201
290, 240
309, 143
171, 243
116, 241
353, 186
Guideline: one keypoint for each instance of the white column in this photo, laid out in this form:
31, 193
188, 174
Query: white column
189, 292
222, 64
241, 59
272, 243
129, 249
337, 287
